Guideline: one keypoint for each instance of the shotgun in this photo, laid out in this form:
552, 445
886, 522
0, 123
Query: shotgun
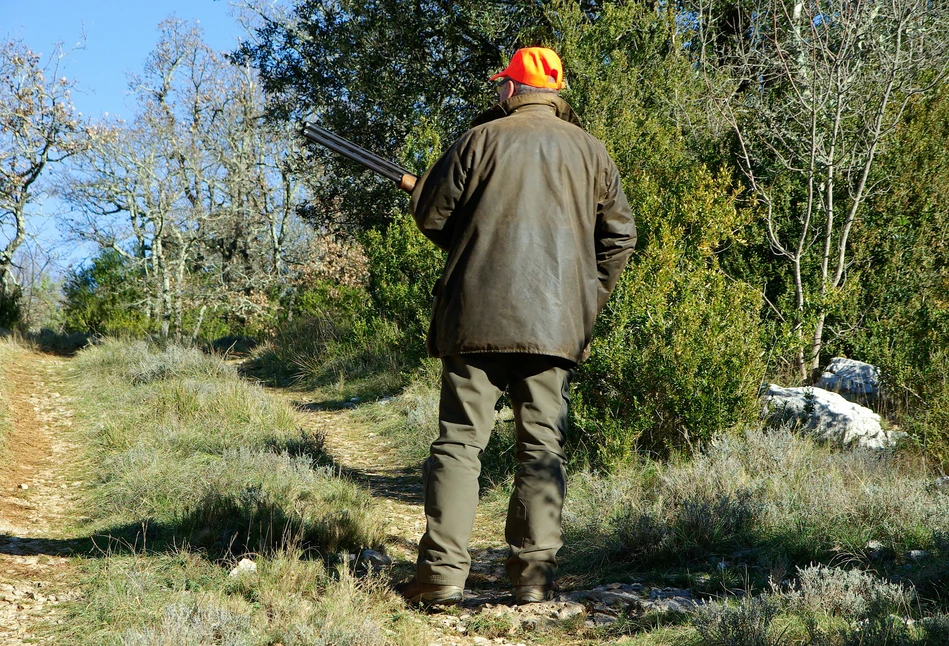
403, 178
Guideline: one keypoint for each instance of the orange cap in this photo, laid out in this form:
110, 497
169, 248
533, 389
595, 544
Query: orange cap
535, 66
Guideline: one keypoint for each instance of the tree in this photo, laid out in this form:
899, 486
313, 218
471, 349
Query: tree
378, 72
197, 191
38, 129
812, 92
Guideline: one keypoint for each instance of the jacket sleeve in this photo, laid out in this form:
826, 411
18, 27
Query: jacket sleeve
615, 235
437, 193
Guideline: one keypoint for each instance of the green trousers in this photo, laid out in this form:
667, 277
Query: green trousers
538, 387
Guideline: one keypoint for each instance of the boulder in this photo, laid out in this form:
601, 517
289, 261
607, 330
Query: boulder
854, 380
825, 416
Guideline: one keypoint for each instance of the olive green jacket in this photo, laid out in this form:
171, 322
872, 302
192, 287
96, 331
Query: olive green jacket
532, 214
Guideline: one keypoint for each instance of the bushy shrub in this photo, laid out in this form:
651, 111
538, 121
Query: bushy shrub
852, 594
903, 255
403, 268
749, 623
104, 297
11, 311
781, 496
676, 353
676, 359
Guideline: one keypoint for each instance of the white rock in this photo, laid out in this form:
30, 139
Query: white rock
853, 380
826, 416
246, 566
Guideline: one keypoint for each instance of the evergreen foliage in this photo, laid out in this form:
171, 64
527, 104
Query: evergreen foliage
10, 309
103, 297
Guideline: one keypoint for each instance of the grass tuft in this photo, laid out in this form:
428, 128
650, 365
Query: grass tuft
181, 598
749, 623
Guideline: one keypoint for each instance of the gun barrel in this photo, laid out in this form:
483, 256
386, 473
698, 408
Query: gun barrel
359, 154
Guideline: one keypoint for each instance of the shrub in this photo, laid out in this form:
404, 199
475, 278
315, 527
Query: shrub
675, 360
904, 315
403, 268
776, 496
11, 312
749, 623
852, 594
104, 297
676, 354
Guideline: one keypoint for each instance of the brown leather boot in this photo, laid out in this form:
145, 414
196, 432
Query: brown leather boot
423, 595
524, 594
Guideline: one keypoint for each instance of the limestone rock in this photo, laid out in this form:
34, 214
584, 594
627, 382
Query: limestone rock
246, 566
853, 380
826, 416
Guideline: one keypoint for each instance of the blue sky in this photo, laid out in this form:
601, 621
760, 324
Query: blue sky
118, 37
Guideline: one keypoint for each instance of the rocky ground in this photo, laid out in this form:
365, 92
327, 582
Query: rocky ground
38, 492
488, 607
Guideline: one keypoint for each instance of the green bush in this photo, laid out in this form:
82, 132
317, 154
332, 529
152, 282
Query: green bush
11, 312
676, 354
675, 360
903, 323
104, 298
403, 268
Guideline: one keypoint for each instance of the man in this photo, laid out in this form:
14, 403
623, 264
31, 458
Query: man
531, 212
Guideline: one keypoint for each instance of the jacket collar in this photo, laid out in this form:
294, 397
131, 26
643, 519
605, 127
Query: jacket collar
560, 107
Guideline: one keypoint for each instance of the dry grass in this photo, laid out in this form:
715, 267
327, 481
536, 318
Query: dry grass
181, 598
185, 446
8, 348
211, 462
758, 498
196, 469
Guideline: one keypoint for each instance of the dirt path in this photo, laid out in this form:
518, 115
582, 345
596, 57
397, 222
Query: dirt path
37, 496
372, 460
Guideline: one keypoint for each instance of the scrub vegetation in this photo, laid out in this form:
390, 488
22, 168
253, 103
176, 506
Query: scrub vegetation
782, 539
196, 469
787, 168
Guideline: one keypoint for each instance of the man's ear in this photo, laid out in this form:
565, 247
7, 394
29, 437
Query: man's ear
508, 89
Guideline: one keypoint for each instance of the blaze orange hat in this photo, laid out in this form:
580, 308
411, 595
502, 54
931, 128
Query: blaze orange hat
535, 66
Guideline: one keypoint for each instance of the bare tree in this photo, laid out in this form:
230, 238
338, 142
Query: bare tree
122, 201
38, 129
814, 90
199, 191
35, 272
